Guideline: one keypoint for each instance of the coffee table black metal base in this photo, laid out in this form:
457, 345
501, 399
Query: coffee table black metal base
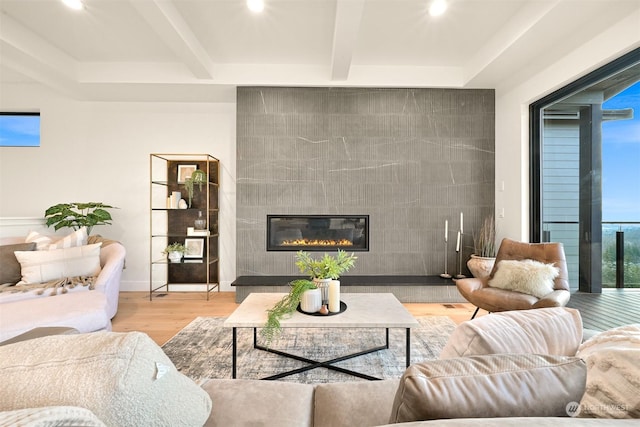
314, 364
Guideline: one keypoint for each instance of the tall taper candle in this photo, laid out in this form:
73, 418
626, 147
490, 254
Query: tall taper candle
334, 296
458, 243
461, 223
446, 230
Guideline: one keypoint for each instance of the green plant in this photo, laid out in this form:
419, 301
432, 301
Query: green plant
175, 247
77, 215
287, 305
484, 242
327, 267
197, 177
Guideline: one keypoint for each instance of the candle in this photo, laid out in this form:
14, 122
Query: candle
334, 296
446, 229
458, 243
461, 223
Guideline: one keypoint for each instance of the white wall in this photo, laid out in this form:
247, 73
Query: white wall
99, 151
512, 117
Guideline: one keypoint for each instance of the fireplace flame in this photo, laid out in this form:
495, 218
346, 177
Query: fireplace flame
317, 242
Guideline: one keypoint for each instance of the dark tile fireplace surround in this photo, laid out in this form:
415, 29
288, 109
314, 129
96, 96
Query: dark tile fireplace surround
407, 159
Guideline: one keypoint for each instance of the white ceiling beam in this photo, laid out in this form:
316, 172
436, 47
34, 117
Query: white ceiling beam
345, 33
171, 27
31, 55
507, 38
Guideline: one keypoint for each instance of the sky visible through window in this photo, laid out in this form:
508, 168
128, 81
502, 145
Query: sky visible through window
19, 130
621, 159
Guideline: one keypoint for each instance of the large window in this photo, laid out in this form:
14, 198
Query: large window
19, 129
585, 174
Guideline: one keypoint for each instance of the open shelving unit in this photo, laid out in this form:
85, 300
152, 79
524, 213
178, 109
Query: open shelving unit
169, 223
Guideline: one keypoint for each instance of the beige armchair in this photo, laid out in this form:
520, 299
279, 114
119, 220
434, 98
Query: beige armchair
479, 293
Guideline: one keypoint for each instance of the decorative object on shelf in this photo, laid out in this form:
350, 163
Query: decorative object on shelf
325, 269
484, 246
185, 172
175, 251
287, 305
194, 248
175, 197
77, 215
446, 275
197, 177
200, 223
182, 204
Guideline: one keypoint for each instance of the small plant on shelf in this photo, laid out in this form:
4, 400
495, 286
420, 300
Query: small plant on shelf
197, 177
175, 251
326, 267
287, 305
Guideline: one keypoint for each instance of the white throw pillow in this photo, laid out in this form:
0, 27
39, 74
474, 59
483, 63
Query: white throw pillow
526, 276
613, 377
44, 242
43, 266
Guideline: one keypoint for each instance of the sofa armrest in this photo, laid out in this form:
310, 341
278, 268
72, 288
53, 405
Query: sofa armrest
112, 257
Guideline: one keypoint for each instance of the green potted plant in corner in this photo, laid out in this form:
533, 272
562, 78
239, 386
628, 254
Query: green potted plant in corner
175, 251
484, 247
77, 215
197, 177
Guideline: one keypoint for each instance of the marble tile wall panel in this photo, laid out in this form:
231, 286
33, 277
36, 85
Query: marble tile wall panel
408, 158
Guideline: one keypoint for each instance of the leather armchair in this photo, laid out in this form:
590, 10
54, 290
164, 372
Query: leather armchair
478, 292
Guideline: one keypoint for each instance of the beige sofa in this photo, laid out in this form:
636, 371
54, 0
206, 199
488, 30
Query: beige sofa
80, 308
481, 379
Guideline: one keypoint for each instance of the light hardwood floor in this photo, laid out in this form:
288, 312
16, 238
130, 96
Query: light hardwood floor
163, 317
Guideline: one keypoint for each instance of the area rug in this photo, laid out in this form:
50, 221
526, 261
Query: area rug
203, 350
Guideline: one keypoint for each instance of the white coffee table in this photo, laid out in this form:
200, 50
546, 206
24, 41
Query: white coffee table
363, 311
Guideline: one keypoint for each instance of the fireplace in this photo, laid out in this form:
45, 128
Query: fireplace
317, 232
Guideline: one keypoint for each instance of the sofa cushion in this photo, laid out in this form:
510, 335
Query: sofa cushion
613, 377
554, 330
50, 416
353, 403
9, 265
43, 266
125, 379
500, 385
259, 403
527, 276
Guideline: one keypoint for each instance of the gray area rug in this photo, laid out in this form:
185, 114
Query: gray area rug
203, 350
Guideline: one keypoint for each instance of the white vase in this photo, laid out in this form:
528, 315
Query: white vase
175, 256
311, 300
323, 284
480, 266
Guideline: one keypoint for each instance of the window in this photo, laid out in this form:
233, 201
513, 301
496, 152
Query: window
19, 129
585, 162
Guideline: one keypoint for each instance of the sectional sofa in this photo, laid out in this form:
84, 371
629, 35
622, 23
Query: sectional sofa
509, 369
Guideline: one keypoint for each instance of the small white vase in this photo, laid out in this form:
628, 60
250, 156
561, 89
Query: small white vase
311, 300
175, 256
480, 266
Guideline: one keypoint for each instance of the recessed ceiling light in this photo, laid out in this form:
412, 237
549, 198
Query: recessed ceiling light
438, 7
256, 6
74, 4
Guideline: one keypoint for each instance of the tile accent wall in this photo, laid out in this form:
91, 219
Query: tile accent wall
409, 158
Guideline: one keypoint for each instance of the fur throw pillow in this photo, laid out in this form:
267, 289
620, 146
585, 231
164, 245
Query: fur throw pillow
526, 276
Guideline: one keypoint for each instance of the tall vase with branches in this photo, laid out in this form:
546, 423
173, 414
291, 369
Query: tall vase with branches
484, 245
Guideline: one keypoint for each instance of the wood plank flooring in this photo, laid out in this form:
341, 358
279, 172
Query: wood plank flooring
163, 317
610, 309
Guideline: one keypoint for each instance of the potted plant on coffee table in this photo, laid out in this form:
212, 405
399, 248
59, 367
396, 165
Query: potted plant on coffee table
287, 305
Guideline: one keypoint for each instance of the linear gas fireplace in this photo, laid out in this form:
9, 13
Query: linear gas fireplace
317, 232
